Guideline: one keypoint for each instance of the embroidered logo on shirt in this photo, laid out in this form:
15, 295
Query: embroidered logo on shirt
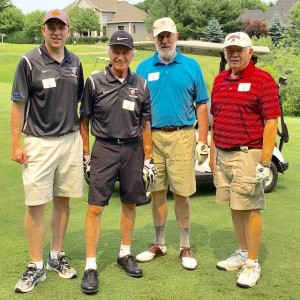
74, 71
132, 92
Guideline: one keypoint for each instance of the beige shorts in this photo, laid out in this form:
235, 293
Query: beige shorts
235, 179
173, 154
54, 168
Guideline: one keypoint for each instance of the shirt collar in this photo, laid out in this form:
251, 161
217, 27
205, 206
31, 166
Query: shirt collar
246, 73
49, 59
111, 78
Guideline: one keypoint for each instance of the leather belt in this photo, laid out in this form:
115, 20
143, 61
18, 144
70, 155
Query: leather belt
238, 148
172, 128
119, 141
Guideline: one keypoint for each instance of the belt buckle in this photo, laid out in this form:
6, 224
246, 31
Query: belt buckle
120, 142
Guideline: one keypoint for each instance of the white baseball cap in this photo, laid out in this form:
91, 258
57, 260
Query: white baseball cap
241, 39
164, 24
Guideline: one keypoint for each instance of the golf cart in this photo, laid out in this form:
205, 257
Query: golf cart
203, 172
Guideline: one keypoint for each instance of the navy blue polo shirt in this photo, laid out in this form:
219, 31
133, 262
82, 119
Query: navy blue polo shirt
116, 109
50, 90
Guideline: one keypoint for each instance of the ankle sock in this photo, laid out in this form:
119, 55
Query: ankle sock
124, 250
243, 253
90, 263
39, 264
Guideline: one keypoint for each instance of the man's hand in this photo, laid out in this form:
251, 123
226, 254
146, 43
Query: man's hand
201, 152
87, 167
19, 155
262, 173
149, 170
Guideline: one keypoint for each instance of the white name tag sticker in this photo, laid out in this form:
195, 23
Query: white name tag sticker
129, 105
244, 87
153, 76
49, 83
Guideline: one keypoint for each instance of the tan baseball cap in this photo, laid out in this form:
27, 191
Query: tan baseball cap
57, 14
164, 24
241, 39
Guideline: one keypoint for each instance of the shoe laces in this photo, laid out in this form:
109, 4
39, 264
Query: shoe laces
28, 274
63, 262
247, 270
90, 273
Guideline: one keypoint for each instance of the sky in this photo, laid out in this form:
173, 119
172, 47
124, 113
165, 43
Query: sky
28, 6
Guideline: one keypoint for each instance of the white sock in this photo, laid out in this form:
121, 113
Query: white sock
53, 254
243, 253
252, 262
90, 263
39, 264
124, 250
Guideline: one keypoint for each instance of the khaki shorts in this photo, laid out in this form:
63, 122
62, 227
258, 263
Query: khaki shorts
235, 179
54, 168
173, 154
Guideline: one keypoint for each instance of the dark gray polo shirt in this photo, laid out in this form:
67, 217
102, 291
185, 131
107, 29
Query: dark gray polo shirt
115, 109
51, 91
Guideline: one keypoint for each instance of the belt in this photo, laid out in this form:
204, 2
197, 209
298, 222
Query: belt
238, 148
119, 141
172, 128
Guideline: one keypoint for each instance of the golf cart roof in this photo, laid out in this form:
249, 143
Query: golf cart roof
200, 48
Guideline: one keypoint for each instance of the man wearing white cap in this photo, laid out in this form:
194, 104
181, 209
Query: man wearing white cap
245, 108
47, 86
176, 83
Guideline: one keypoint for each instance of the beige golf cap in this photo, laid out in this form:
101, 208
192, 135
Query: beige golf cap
57, 14
241, 39
164, 24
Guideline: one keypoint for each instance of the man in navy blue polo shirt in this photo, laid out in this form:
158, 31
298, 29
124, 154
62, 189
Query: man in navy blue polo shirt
47, 85
117, 103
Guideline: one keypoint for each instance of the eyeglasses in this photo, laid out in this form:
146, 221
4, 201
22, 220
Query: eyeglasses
239, 51
163, 35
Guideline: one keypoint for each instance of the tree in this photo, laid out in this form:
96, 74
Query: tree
256, 28
11, 20
33, 22
4, 4
276, 30
213, 32
83, 20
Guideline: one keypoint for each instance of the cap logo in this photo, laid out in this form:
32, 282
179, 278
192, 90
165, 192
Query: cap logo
56, 13
120, 39
234, 36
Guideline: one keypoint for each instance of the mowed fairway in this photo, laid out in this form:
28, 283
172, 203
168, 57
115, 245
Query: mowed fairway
212, 236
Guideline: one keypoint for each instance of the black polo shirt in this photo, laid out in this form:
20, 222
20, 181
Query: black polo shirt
115, 109
50, 90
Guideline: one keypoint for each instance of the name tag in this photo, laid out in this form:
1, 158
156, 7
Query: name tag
49, 83
244, 87
129, 105
153, 76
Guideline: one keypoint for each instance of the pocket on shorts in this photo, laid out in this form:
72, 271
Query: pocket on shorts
245, 187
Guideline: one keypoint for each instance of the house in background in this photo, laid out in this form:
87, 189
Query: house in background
281, 8
116, 15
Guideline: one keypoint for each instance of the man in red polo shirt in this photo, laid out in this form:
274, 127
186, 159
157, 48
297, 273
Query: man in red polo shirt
245, 108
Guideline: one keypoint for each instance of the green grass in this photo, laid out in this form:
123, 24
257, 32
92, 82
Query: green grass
212, 235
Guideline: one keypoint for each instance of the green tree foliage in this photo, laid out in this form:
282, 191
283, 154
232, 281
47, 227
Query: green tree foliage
213, 32
33, 24
192, 16
276, 30
256, 28
4, 4
11, 20
83, 20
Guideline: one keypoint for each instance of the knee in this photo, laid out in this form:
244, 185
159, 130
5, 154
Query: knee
94, 210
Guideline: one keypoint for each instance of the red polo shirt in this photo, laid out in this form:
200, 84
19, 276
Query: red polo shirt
240, 106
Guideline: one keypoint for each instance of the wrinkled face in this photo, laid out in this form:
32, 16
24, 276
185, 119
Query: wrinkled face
55, 33
238, 57
165, 43
120, 58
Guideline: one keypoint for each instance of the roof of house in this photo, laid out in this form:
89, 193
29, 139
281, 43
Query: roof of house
123, 11
281, 8
127, 13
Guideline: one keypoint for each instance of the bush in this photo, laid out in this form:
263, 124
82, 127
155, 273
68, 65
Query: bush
104, 38
83, 40
21, 37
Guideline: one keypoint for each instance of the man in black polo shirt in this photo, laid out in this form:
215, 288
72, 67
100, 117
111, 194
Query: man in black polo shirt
47, 85
117, 103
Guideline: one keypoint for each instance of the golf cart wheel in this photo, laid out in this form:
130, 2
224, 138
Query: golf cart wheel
271, 183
